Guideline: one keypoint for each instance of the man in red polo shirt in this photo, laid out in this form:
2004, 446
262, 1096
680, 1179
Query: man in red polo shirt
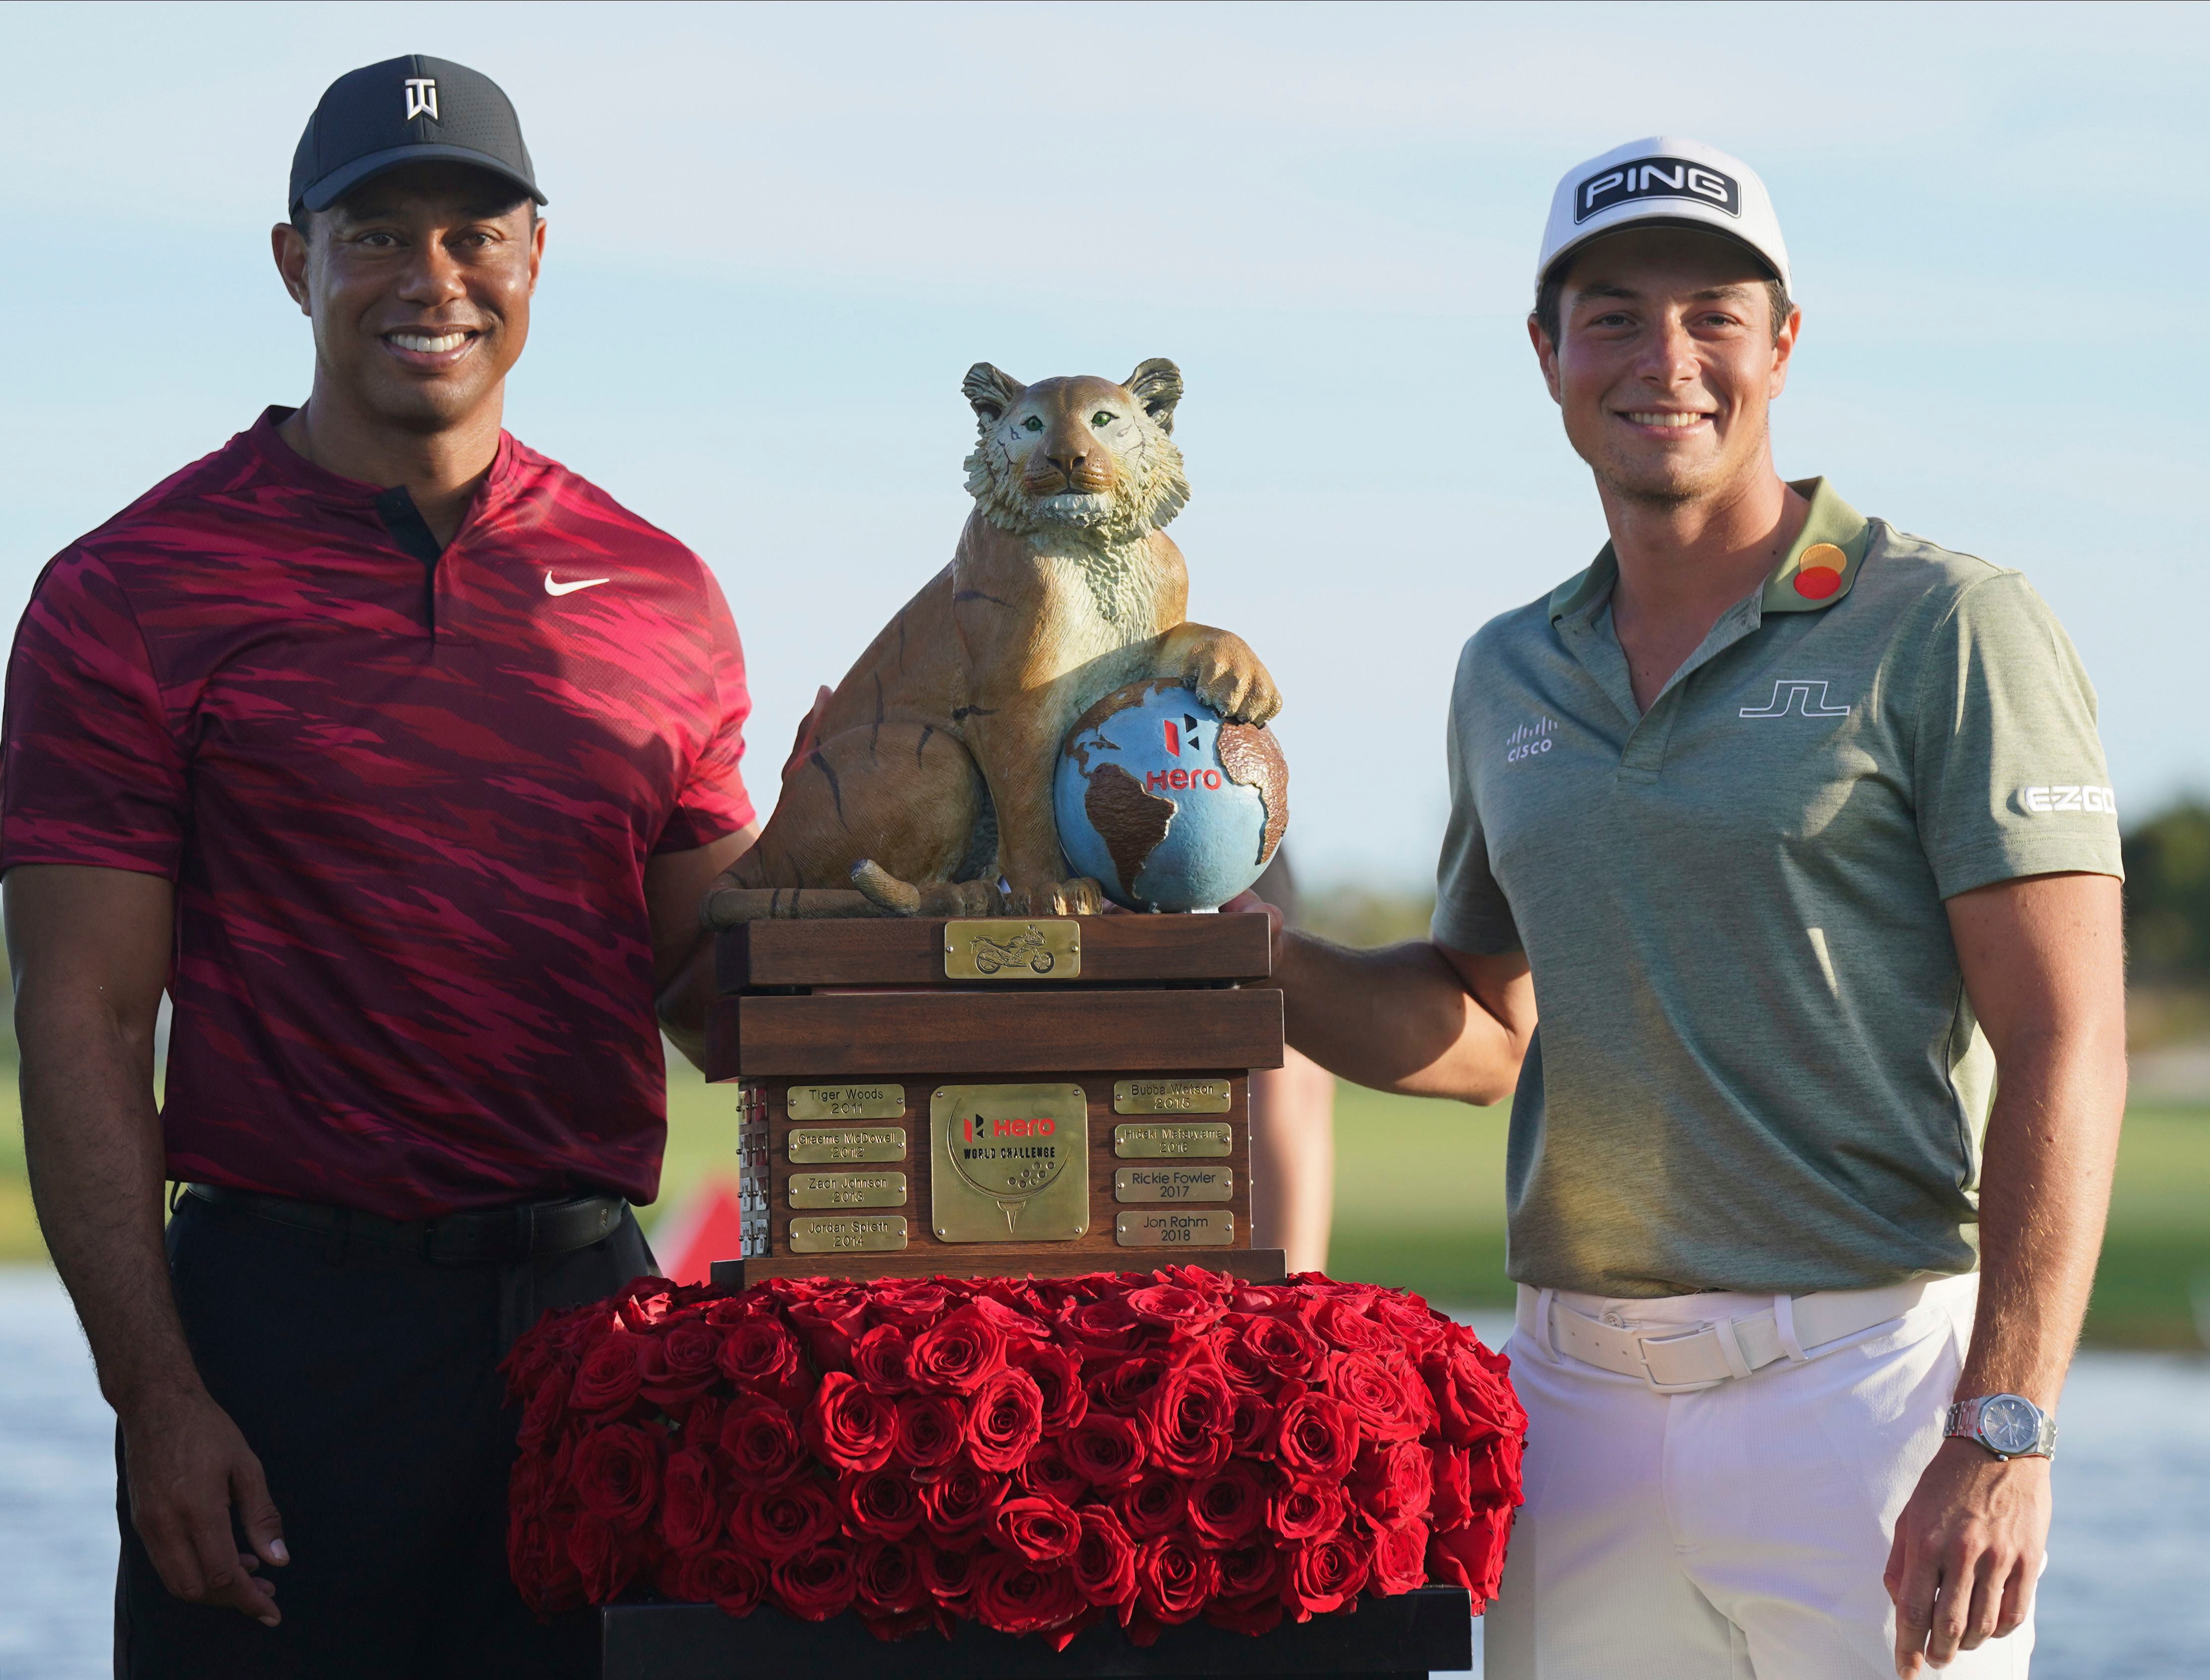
399, 757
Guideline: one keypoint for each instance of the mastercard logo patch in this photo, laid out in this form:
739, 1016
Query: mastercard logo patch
1819, 573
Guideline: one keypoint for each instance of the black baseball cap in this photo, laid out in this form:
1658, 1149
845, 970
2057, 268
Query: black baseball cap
412, 110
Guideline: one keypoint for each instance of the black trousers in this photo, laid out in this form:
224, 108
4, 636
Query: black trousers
367, 1382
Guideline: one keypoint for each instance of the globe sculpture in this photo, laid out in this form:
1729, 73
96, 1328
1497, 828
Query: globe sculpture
1163, 804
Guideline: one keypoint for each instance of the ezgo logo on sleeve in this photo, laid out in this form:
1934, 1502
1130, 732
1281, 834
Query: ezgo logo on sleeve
2058, 796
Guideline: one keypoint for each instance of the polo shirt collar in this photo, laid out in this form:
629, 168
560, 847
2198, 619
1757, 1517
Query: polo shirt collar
287, 465
1819, 567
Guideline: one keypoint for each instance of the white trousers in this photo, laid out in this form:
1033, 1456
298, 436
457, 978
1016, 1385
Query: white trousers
1734, 1532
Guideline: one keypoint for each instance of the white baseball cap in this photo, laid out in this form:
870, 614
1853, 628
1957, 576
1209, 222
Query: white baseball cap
1668, 181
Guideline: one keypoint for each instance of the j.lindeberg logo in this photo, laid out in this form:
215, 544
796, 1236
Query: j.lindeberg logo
1657, 178
422, 98
1804, 697
1531, 740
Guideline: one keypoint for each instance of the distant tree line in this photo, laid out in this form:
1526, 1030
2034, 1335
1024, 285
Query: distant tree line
2168, 897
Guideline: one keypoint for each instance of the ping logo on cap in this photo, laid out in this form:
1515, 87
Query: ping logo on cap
422, 98
1656, 177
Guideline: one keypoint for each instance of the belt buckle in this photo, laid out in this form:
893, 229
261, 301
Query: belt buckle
1642, 1340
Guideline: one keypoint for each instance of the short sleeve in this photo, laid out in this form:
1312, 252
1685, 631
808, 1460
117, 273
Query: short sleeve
712, 801
2008, 775
1472, 913
91, 771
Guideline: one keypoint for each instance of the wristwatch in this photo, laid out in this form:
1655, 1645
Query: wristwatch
2010, 1426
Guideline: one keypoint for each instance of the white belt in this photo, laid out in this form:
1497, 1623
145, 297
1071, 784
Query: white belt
1676, 1360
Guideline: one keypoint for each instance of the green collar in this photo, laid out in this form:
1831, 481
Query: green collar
1819, 567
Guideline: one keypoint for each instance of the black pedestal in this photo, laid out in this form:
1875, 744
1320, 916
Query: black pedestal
1417, 1632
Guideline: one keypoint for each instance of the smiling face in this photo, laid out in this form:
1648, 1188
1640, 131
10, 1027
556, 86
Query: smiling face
418, 285
1668, 363
1081, 456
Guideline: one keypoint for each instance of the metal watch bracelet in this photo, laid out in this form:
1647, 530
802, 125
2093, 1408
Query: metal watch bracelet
2007, 1426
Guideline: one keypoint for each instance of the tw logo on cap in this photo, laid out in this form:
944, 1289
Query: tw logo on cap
1656, 177
422, 98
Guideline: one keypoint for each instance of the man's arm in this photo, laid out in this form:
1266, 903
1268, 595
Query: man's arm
675, 884
90, 950
1416, 1018
2044, 969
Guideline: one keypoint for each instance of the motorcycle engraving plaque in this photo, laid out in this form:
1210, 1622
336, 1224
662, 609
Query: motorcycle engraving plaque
1151, 1143
1007, 948
843, 1144
847, 1190
868, 1102
1215, 1228
1173, 1184
1010, 1163
847, 1236
1170, 1096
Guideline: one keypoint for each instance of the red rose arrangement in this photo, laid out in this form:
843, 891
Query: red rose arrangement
1033, 1454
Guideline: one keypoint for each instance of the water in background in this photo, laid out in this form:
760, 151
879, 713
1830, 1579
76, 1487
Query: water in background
2126, 1596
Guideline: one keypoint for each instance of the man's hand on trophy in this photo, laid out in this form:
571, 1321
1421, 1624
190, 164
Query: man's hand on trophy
1228, 677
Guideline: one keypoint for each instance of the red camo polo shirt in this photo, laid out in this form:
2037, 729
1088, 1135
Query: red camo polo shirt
406, 798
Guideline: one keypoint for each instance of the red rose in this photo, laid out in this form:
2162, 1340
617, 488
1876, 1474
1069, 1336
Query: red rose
1375, 1392
888, 1580
948, 1575
1046, 1471
1004, 1420
1323, 1574
687, 1351
1452, 1500
909, 1304
1007, 1303
1393, 1484
1104, 1561
1305, 1510
1400, 1560
848, 1424
758, 1444
830, 1319
1173, 1577
610, 1376
1042, 1531
880, 1502
1472, 1391
1249, 1597
689, 1507
1107, 1449
722, 1576
1228, 1506
1472, 1556
1254, 1425
1182, 1313
1153, 1503
783, 1521
818, 1582
1058, 1374
955, 1354
930, 1431
1417, 1326
1102, 1329
1015, 1597
757, 1353
881, 1359
616, 1474
1189, 1418
1492, 1470
542, 1414
958, 1502
603, 1562
1124, 1384
1345, 1325
1317, 1438
537, 1558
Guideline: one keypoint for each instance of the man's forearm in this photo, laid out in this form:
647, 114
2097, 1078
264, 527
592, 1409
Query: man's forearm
92, 1143
1400, 1019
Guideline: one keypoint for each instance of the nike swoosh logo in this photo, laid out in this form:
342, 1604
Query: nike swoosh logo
552, 587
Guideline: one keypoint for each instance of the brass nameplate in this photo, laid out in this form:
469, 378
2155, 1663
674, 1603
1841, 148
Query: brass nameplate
847, 1144
1151, 1143
1170, 1096
846, 1102
1172, 1184
1214, 1228
1007, 948
848, 1189
848, 1235
1010, 1163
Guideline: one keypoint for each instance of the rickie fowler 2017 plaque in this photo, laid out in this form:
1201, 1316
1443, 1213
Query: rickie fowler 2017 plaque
1010, 1163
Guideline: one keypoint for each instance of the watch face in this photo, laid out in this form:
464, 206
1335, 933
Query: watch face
2009, 1424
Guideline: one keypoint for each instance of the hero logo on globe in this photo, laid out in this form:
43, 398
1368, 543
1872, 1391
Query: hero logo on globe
1657, 178
1178, 780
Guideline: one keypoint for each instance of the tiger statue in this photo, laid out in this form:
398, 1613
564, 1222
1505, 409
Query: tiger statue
923, 784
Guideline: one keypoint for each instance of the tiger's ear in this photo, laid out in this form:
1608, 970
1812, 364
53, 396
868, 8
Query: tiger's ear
990, 393
1157, 384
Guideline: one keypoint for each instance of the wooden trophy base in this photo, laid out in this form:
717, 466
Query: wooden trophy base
1252, 1265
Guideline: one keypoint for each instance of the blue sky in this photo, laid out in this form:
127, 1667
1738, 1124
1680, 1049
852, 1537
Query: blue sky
780, 236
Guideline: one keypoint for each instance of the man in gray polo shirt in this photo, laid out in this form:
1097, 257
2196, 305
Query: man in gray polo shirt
1795, 832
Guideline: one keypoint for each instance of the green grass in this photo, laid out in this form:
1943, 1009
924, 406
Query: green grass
1419, 1202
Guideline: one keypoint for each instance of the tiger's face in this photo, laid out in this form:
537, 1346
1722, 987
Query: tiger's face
1078, 457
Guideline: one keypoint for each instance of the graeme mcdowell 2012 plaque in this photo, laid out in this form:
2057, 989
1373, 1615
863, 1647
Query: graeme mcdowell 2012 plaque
844, 1145
1010, 1163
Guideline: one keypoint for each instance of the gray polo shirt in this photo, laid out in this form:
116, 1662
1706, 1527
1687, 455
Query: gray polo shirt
1756, 1068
